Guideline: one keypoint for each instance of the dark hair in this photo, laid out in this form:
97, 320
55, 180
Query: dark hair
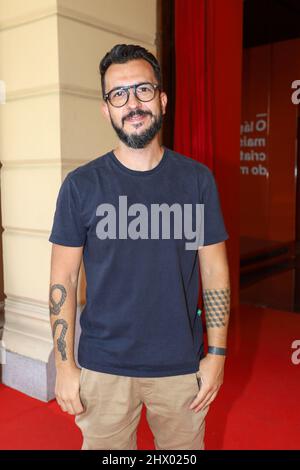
122, 53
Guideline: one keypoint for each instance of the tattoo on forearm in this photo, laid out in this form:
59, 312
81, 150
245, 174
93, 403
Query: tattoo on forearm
61, 344
56, 306
216, 304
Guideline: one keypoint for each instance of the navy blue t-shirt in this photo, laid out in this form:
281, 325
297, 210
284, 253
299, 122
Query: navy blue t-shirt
140, 318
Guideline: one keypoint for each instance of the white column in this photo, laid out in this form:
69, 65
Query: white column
50, 123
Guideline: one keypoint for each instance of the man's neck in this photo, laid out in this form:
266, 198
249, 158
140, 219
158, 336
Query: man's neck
140, 159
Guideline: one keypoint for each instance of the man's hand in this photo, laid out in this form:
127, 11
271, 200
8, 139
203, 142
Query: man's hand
67, 389
211, 373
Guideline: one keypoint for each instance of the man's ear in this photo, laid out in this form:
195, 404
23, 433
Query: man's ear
164, 101
104, 109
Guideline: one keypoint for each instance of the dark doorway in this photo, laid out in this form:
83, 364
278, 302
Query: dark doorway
166, 57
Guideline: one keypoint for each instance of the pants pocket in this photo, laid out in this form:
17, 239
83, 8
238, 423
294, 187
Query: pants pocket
198, 378
81, 376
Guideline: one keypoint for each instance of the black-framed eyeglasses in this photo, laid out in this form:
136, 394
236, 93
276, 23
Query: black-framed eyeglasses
120, 95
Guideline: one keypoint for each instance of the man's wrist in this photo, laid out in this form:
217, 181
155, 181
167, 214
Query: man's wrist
216, 351
65, 365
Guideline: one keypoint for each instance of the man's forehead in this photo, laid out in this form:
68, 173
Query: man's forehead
131, 72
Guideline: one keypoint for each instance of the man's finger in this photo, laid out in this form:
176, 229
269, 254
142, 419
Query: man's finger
202, 395
213, 397
69, 407
77, 405
202, 403
73, 406
207, 402
61, 404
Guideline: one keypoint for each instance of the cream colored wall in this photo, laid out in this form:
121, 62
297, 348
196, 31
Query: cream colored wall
30, 157
87, 30
49, 56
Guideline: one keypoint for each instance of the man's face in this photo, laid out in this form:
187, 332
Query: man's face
136, 123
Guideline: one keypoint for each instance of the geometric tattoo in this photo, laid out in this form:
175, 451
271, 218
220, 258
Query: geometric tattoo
61, 344
55, 308
216, 304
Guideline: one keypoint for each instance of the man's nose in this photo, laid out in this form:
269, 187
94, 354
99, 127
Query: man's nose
133, 101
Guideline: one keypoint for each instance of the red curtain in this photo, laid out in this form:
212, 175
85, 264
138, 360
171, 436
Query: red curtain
194, 82
194, 50
208, 56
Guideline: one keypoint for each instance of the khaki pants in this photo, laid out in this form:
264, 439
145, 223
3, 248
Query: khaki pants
113, 404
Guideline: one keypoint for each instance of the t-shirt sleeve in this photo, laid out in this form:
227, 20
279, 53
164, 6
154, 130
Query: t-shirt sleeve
68, 228
214, 230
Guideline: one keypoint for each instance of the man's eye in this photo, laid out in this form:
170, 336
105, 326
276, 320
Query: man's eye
118, 93
144, 89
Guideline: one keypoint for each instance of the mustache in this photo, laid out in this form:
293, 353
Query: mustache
138, 112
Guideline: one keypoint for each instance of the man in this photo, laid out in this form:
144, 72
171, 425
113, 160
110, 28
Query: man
141, 339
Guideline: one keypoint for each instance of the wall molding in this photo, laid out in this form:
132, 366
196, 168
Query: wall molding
31, 17
19, 231
38, 163
53, 89
27, 328
111, 28
79, 17
27, 306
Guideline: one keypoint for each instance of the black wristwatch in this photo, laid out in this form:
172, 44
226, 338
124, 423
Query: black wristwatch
217, 351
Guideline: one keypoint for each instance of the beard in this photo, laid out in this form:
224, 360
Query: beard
139, 141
